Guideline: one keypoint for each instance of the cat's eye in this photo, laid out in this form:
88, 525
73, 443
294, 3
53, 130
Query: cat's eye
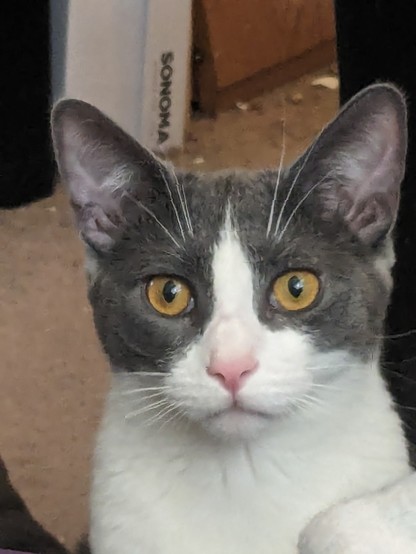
168, 295
295, 290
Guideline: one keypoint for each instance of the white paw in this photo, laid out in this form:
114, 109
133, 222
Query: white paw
353, 528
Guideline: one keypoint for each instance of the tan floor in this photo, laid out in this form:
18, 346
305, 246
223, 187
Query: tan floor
53, 376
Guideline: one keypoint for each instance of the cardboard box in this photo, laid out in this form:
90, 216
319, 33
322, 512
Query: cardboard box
131, 58
166, 76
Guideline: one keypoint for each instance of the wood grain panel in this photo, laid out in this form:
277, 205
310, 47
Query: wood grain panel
248, 36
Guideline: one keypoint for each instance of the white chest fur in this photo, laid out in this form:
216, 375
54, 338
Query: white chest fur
172, 490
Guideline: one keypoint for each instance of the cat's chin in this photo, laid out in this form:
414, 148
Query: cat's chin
236, 424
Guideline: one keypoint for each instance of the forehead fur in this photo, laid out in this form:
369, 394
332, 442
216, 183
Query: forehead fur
247, 197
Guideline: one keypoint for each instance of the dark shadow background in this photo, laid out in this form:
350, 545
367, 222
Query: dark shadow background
26, 166
376, 41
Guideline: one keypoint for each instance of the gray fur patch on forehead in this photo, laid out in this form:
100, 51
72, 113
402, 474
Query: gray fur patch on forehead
248, 196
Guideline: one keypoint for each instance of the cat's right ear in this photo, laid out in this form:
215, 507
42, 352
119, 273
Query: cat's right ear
101, 166
359, 162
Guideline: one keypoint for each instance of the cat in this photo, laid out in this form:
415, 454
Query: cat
242, 316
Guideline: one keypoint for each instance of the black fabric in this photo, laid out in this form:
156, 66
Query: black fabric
83, 546
376, 41
18, 529
26, 166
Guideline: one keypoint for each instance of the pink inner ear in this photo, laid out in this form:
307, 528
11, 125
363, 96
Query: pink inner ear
96, 226
370, 218
369, 157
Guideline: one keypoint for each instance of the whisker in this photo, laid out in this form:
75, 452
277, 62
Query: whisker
292, 186
399, 362
326, 387
173, 254
145, 409
175, 209
177, 414
397, 335
163, 413
141, 399
333, 366
313, 399
302, 200
403, 407
139, 373
400, 375
299, 405
184, 203
279, 174
308, 401
149, 212
145, 389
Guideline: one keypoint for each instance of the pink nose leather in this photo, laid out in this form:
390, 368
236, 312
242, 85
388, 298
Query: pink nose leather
232, 373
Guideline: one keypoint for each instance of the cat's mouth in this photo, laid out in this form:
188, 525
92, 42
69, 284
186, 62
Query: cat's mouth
237, 421
238, 409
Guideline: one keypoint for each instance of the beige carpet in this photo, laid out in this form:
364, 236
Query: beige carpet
53, 376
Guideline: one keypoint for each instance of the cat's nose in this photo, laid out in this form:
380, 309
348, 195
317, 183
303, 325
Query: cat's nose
233, 373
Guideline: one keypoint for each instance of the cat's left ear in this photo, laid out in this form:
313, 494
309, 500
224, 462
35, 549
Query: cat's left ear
102, 167
358, 162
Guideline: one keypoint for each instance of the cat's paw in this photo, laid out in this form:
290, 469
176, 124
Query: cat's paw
356, 527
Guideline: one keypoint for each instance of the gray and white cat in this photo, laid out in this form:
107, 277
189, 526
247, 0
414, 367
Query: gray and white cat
242, 315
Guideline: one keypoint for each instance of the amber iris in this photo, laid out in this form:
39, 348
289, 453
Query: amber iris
168, 295
296, 290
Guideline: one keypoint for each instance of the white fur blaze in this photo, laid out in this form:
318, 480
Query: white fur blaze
233, 278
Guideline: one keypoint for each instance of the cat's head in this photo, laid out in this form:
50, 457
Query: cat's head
238, 298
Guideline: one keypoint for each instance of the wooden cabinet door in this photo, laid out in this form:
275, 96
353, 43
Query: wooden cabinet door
238, 39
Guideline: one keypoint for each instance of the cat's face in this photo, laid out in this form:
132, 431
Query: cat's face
238, 298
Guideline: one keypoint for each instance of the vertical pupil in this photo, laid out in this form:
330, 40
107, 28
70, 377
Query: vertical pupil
295, 286
170, 290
